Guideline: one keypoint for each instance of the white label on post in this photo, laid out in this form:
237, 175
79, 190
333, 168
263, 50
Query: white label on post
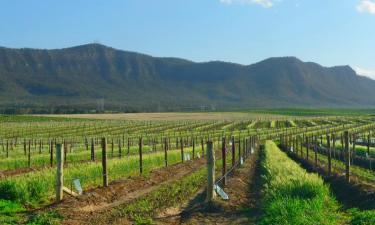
221, 192
241, 161
77, 186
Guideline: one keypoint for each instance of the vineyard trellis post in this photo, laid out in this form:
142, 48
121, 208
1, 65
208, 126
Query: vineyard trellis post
368, 144
60, 172
233, 152
29, 155
329, 155
210, 171
182, 149
224, 167
92, 150
202, 144
140, 156
347, 154
165, 152
51, 153
193, 143
104, 162
315, 152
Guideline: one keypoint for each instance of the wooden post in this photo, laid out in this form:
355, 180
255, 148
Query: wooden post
7, 149
303, 138
193, 142
307, 148
182, 149
347, 158
29, 154
239, 145
354, 152
165, 152
128, 146
51, 154
239, 150
334, 145
24, 147
60, 172
104, 162
233, 152
40, 146
202, 143
210, 171
329, 155
112, 148
368, 144
223, 157
140, 156
92, 150
316, 152
119, 149
65, 150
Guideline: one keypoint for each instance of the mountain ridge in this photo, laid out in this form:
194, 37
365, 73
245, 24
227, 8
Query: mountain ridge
77, 78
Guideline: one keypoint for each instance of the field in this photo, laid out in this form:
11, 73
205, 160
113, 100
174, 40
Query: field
295, 167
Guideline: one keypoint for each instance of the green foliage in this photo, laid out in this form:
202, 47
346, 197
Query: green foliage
293, 196
47, 218
35, 188
8, 212
142, 210
362, 217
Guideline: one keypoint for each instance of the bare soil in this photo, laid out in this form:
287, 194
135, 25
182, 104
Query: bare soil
94, 206
244, 190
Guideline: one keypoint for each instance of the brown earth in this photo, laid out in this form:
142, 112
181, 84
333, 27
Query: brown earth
94, 206
244, 190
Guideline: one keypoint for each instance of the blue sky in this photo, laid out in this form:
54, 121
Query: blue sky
329, 32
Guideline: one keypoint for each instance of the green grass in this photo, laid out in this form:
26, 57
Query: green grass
9, 211
37, 188
142, 210
366, 217
293, 196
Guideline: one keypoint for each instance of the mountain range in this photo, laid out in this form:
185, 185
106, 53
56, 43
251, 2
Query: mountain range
96, 77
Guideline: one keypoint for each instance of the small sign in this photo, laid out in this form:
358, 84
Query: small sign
186, 156
291, 149
77, 186
241, 160
221, 192
251, 150
367, 156
198, 155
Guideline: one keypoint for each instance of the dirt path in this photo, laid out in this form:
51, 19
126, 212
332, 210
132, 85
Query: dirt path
244, 190
91, 207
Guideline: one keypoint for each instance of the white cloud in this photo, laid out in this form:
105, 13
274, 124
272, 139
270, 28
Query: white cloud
365, 72
366, 6
263, 3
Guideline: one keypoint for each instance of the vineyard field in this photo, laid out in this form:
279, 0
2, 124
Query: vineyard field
155, 168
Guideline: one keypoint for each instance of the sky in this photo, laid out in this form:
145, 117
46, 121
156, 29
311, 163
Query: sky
328, 32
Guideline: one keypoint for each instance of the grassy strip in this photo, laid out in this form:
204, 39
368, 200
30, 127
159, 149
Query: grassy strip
142, 210
36, 188
293, 196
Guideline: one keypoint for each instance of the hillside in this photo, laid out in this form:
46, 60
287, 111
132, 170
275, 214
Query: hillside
87, 77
